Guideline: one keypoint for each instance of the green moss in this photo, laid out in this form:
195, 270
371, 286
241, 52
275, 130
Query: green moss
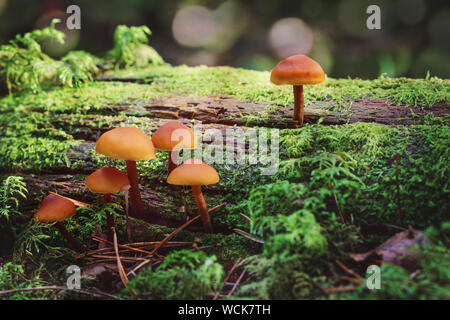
239, 83
33, 153
321, 167
13, 276
255, 86
183, 275
365, 150
430, 282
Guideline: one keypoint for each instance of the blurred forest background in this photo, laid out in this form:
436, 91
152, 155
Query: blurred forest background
256, 34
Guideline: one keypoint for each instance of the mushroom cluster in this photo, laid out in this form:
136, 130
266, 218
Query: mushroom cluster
131, 144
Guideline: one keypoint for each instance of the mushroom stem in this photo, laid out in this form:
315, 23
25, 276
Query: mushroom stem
298, 104
109, 217
135, 193
202, 208
172, 164
75, 244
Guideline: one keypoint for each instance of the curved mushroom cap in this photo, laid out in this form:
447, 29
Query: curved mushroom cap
297, 70
174, 136
107, 180
54, 208
126, 143
75, 202
193, 172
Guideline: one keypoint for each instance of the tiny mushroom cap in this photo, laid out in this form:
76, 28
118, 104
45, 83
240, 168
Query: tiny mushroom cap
54, 208
126, 143
174, 136
108, 180
297, 70
193, 172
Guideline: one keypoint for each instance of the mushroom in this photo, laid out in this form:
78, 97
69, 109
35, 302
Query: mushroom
130, 144
55, 208
106, 181
196, 173
75, 202
297, 70
174, 136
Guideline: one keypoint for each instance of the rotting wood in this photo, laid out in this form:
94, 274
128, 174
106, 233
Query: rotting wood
223, 111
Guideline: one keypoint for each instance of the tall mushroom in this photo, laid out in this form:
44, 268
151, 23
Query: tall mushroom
130, 144
107, 181
174, 136
55, 208
296, 71
196, 173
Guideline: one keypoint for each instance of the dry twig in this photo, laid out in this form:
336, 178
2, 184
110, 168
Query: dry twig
96, 294
348, 270
233, 268
236, 284
123, 275
164, 241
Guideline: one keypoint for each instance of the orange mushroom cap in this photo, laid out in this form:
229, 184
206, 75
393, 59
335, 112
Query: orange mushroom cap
126, 143
297, 70
193, 172
174, 136
75, 202
107, 180
55, 208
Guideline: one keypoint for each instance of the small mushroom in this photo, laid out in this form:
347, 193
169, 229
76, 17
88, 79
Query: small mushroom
196, 173
107, 181
75, 202
130, 144
296, 71
174, 136
55, 208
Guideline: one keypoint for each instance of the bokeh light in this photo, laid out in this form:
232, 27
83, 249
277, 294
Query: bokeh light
414, 35
402, 60
72, 36
386, 64
193, 26
291, 36
197, 26
3, 4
